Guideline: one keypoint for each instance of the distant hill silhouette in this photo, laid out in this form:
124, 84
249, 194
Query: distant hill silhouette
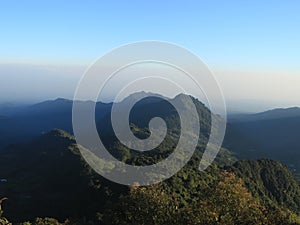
271, 134
278, 113
28, 122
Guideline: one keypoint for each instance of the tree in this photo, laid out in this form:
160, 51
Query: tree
227, 202
144, 206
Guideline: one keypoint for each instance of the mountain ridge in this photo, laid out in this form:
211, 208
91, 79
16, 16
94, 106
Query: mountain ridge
276, 113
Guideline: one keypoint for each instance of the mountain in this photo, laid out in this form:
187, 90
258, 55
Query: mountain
273, 134
278, 113
147, 97
150, 107
29, 122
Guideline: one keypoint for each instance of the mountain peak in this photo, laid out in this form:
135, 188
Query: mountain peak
62, 100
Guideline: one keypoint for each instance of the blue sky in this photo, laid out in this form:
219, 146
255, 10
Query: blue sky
233, 37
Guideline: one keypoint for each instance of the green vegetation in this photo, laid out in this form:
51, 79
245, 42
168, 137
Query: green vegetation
226, 201
271, 181
74, 194
49, 183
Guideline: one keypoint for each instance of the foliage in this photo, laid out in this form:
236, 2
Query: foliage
226, 202
229, 202
43, 221
270, 181
143, 206
212, 196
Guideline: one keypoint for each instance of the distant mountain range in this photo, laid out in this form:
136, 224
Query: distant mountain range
25, 123
271, 134
279, 113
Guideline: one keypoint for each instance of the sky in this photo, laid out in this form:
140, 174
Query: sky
252, 47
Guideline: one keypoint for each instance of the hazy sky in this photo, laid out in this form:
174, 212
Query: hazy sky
253, 47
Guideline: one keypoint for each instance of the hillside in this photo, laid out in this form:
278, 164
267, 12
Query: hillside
48, 178
28, 122
269, 180
273, 134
